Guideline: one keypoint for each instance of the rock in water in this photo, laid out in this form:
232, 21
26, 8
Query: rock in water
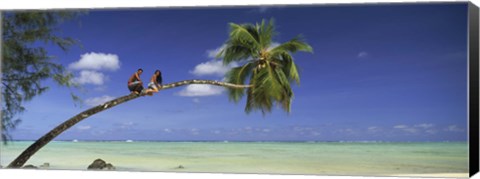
109, 166
97, 165
45, 165
30, 167
100, 164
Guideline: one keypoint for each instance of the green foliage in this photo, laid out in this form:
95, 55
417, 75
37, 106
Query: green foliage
25, 61
270, 70
238, 75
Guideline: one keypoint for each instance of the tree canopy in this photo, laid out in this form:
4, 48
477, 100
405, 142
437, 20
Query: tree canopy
268, 66
26, 64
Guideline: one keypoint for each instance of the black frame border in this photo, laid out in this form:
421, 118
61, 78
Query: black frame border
473, 53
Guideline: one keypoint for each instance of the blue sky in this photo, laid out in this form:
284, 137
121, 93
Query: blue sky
378, 72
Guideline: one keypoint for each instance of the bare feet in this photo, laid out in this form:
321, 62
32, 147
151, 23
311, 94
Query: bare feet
149, 92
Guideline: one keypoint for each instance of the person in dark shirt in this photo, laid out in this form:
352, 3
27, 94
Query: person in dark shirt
135, 84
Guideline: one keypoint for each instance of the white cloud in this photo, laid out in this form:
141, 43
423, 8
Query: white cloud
425, 126
316, 133
213, 67
90, 65
129, 123
91, 77
96, 61
84, 127
98, 100
247, 129
194, 131
126, 125
100, 88
373, 129
201, 90
454, 128
167, 130
362, 54
346, 131
400, 127
213, 53
420, 128
406, 128
296, 128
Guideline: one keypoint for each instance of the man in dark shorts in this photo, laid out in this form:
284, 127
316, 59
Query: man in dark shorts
135, 84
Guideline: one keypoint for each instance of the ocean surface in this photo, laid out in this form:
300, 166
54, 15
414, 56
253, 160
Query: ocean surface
310, 158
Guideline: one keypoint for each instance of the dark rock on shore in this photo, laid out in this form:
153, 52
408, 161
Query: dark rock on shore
30, 167
97, 165
45, 165
109, 166
100, 164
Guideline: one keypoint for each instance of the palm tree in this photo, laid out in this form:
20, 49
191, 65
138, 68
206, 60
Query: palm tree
271, 69
45, 139
268, 66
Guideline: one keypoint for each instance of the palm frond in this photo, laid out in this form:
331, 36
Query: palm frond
267, 32
241, 34
242, 43
268, 89
234, 52
253, 30
260, 95
286, 94
290, 68
249, 106
257, 97
294, 45
238, 75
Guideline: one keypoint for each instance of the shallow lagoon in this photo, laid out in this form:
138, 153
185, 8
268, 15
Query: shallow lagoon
313, 158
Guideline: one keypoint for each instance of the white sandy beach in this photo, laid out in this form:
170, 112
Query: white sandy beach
434, 175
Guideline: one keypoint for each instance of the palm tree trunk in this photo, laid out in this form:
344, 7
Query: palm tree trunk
25, 155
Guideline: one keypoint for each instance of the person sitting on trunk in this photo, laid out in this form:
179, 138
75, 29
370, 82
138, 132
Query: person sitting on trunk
135, 84
155, 83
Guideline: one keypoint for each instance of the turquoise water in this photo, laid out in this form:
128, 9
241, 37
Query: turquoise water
329, 158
